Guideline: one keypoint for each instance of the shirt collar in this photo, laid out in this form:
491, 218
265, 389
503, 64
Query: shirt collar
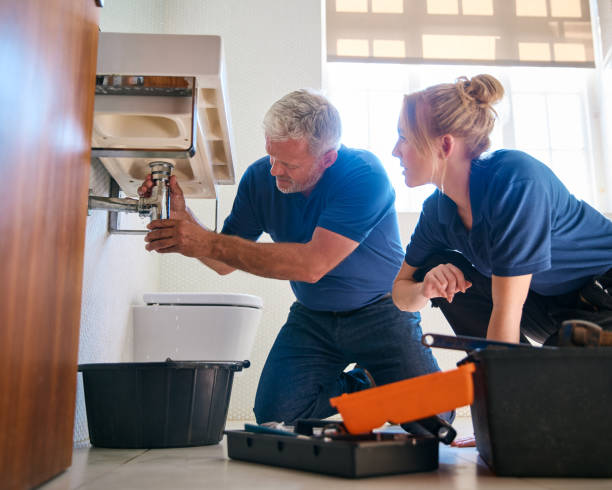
477, 190
447, 209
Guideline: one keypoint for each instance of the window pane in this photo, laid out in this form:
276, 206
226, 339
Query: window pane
351, 5
388, 6
530, 121
565, 8
385, 108
566, 121
477, 7
572, 169
353, 108
542, 113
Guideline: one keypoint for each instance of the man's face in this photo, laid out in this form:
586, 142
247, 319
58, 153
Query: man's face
295, 168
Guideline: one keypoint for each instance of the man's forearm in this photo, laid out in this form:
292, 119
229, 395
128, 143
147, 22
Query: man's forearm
218, 266
289, 261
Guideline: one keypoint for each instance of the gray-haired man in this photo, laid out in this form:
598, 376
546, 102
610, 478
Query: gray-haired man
330, 211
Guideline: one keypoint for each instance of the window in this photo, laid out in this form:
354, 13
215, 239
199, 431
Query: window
495, 32
545, 112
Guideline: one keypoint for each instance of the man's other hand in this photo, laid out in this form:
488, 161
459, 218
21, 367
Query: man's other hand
178, 236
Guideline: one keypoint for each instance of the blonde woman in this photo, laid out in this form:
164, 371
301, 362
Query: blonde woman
501, 246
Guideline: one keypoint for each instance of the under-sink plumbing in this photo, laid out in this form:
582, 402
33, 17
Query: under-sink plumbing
157, 206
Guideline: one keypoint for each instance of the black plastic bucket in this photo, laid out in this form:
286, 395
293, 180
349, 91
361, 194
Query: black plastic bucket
157, 404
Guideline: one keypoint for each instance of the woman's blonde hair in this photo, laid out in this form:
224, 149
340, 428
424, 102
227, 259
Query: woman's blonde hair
462, 109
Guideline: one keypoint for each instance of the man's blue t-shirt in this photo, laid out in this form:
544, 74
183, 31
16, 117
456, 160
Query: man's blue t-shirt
525, 221
353, 198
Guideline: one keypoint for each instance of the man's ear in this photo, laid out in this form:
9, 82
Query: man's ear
328, 159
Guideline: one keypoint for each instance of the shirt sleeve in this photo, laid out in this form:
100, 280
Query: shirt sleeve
242, 221
359, 205
520, 228
425, 239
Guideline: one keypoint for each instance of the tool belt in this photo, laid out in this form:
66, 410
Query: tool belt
590, 323
596, 296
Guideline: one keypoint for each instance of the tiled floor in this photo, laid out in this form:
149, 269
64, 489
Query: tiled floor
208, 467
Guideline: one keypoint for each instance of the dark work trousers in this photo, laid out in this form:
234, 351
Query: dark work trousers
469, 313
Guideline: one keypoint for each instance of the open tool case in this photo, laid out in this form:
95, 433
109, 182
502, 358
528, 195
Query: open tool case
334, 452
353, 448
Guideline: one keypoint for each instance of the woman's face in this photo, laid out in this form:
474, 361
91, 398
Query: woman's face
418, 169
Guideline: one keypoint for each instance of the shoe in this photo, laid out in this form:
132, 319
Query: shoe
362, 378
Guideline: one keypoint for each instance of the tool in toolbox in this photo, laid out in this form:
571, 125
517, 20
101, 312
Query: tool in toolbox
432, 426
469, 344
583, 333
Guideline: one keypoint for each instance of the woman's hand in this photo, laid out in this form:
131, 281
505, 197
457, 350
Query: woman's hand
444, 281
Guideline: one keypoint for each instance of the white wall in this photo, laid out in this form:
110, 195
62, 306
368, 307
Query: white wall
117, 270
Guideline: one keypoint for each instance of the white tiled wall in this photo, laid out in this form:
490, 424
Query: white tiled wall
117, 270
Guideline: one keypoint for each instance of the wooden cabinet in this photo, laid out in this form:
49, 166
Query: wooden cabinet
47, 75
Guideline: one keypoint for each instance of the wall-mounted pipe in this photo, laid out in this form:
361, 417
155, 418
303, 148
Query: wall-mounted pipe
156, 206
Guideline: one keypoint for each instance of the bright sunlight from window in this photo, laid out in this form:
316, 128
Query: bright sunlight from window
544, 113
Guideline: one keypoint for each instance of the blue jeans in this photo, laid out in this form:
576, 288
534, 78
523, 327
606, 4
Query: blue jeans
305, 366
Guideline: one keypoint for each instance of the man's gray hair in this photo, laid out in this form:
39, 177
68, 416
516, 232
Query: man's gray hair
305, 114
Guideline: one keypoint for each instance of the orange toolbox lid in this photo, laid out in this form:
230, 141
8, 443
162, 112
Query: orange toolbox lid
406, 401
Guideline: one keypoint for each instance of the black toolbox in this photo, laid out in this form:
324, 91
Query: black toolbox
544, 412
347, 458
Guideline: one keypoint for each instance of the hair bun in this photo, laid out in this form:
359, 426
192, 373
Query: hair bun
482, 89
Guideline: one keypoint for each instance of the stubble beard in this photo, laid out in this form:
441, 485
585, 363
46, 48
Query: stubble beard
313, 178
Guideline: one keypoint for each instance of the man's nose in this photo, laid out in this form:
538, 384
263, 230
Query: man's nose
275, 168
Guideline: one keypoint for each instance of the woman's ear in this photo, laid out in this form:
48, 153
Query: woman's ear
447, 146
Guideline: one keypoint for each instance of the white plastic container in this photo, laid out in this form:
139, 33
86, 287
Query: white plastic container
196, 326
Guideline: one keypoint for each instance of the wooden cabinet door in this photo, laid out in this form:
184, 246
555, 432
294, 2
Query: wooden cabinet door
47, 75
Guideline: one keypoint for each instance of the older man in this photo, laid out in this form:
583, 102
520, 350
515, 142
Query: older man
330, 211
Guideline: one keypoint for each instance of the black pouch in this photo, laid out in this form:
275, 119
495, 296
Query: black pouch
594, 304
596, 295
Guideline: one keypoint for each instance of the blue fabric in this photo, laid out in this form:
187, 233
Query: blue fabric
525, 221
304, 368
354, 198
